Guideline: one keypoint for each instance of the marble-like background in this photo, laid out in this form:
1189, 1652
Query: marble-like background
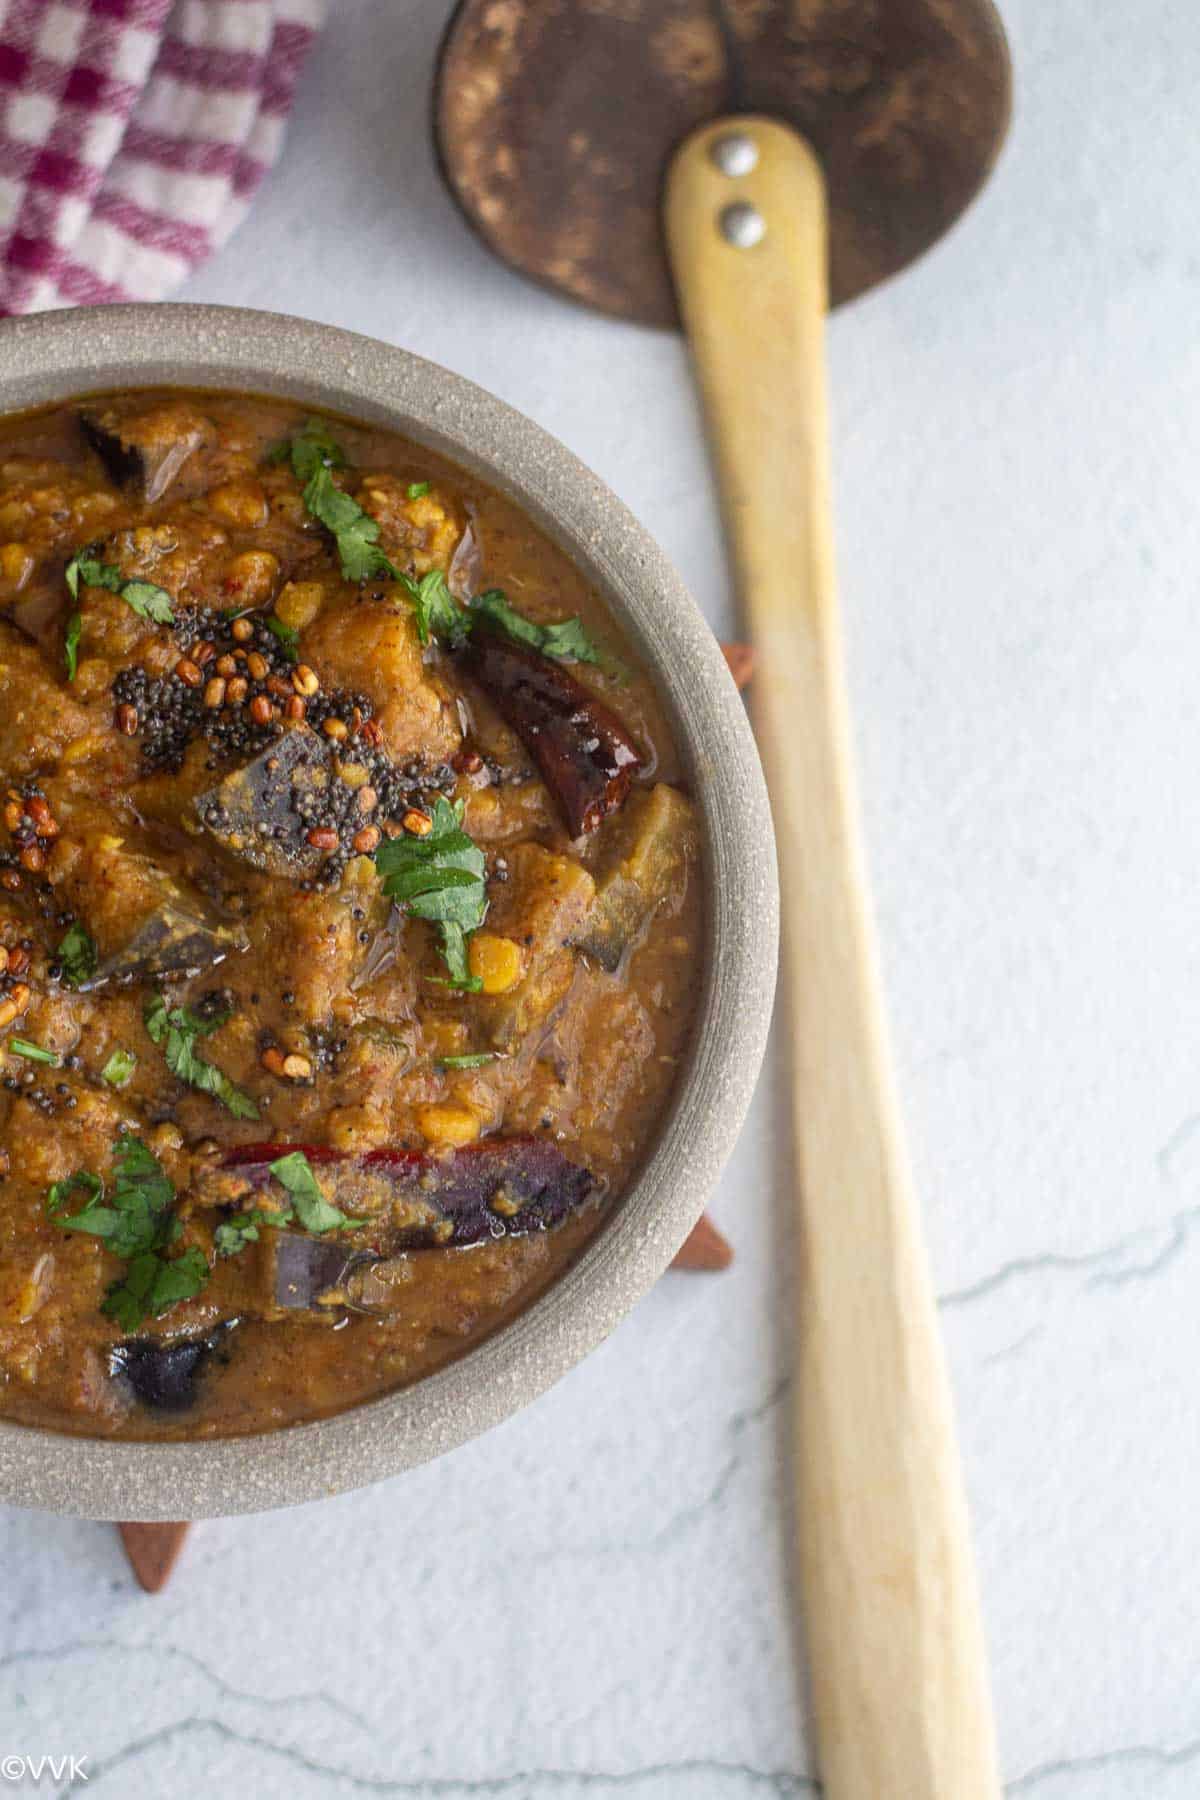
591, 1602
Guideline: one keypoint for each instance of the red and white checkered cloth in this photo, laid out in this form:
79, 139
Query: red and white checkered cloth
133, 136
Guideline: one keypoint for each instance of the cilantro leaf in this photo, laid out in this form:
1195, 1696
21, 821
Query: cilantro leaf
76, 955
119, 1067
440, 877
137, 1222
59, 1195
454, 953
92, 573
95, 1218
152, 1285
135, 1217
566, 641
437, 612
71, 644
177, 1030
33, 1052
179, 1279
232, 1235
437, 615
158, 1019
312, 447
316, 1215
147, 599
314, 452
142, 1198
288, 636
135, 1163
127, 1300
356, 532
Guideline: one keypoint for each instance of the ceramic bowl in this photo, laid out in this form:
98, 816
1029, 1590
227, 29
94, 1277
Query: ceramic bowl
56, 356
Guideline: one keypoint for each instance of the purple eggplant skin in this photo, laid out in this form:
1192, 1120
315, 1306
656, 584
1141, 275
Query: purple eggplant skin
302, 1269
257, 813
163, 1372
122, 461
311, 1275
583, 752
145, 451
503, 1187
187, 936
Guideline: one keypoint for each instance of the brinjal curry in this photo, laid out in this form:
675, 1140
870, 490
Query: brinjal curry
349, 914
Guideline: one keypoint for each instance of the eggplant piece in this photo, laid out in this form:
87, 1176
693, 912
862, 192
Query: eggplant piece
543, 905
163, 1372
507, 1187
504, 1187
145, 452
302, 1274
659, 844
145, 920
38, 613
311, 1275
584, 754
262, 812
182, 933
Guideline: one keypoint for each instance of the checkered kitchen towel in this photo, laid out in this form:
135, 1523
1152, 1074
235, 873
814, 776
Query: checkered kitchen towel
133, 136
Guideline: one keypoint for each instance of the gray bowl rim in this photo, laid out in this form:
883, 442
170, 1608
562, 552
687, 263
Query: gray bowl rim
56, 356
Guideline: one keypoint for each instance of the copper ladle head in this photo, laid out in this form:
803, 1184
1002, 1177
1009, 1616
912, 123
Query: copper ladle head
555, 125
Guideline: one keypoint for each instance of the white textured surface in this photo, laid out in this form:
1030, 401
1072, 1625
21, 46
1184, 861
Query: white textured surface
591, 1601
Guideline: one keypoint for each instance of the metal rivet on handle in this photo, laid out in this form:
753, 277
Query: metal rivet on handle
742, 225
735, 153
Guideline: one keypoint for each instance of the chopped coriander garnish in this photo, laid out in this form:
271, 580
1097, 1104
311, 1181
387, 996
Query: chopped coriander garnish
76, 956
288, 636
33, 1052
312, 447
440, 878
356, 532
177, 1030
232, 1235
137, 1222
71, 644
476, 1060
566, 641
147, 600
438, 615
436, 611
119, 1067
81, 1182
307, 1207
153, 1285
312, 1209
135, 1217
314, 452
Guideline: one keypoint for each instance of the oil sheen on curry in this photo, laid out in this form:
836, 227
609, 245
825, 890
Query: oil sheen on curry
349, 914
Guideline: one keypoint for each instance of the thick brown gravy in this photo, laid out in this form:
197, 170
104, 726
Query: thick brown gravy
247, 849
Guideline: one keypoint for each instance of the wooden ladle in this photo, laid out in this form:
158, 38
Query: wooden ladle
793, 150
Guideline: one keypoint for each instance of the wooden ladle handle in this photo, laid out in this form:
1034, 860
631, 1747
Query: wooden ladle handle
899, 1675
